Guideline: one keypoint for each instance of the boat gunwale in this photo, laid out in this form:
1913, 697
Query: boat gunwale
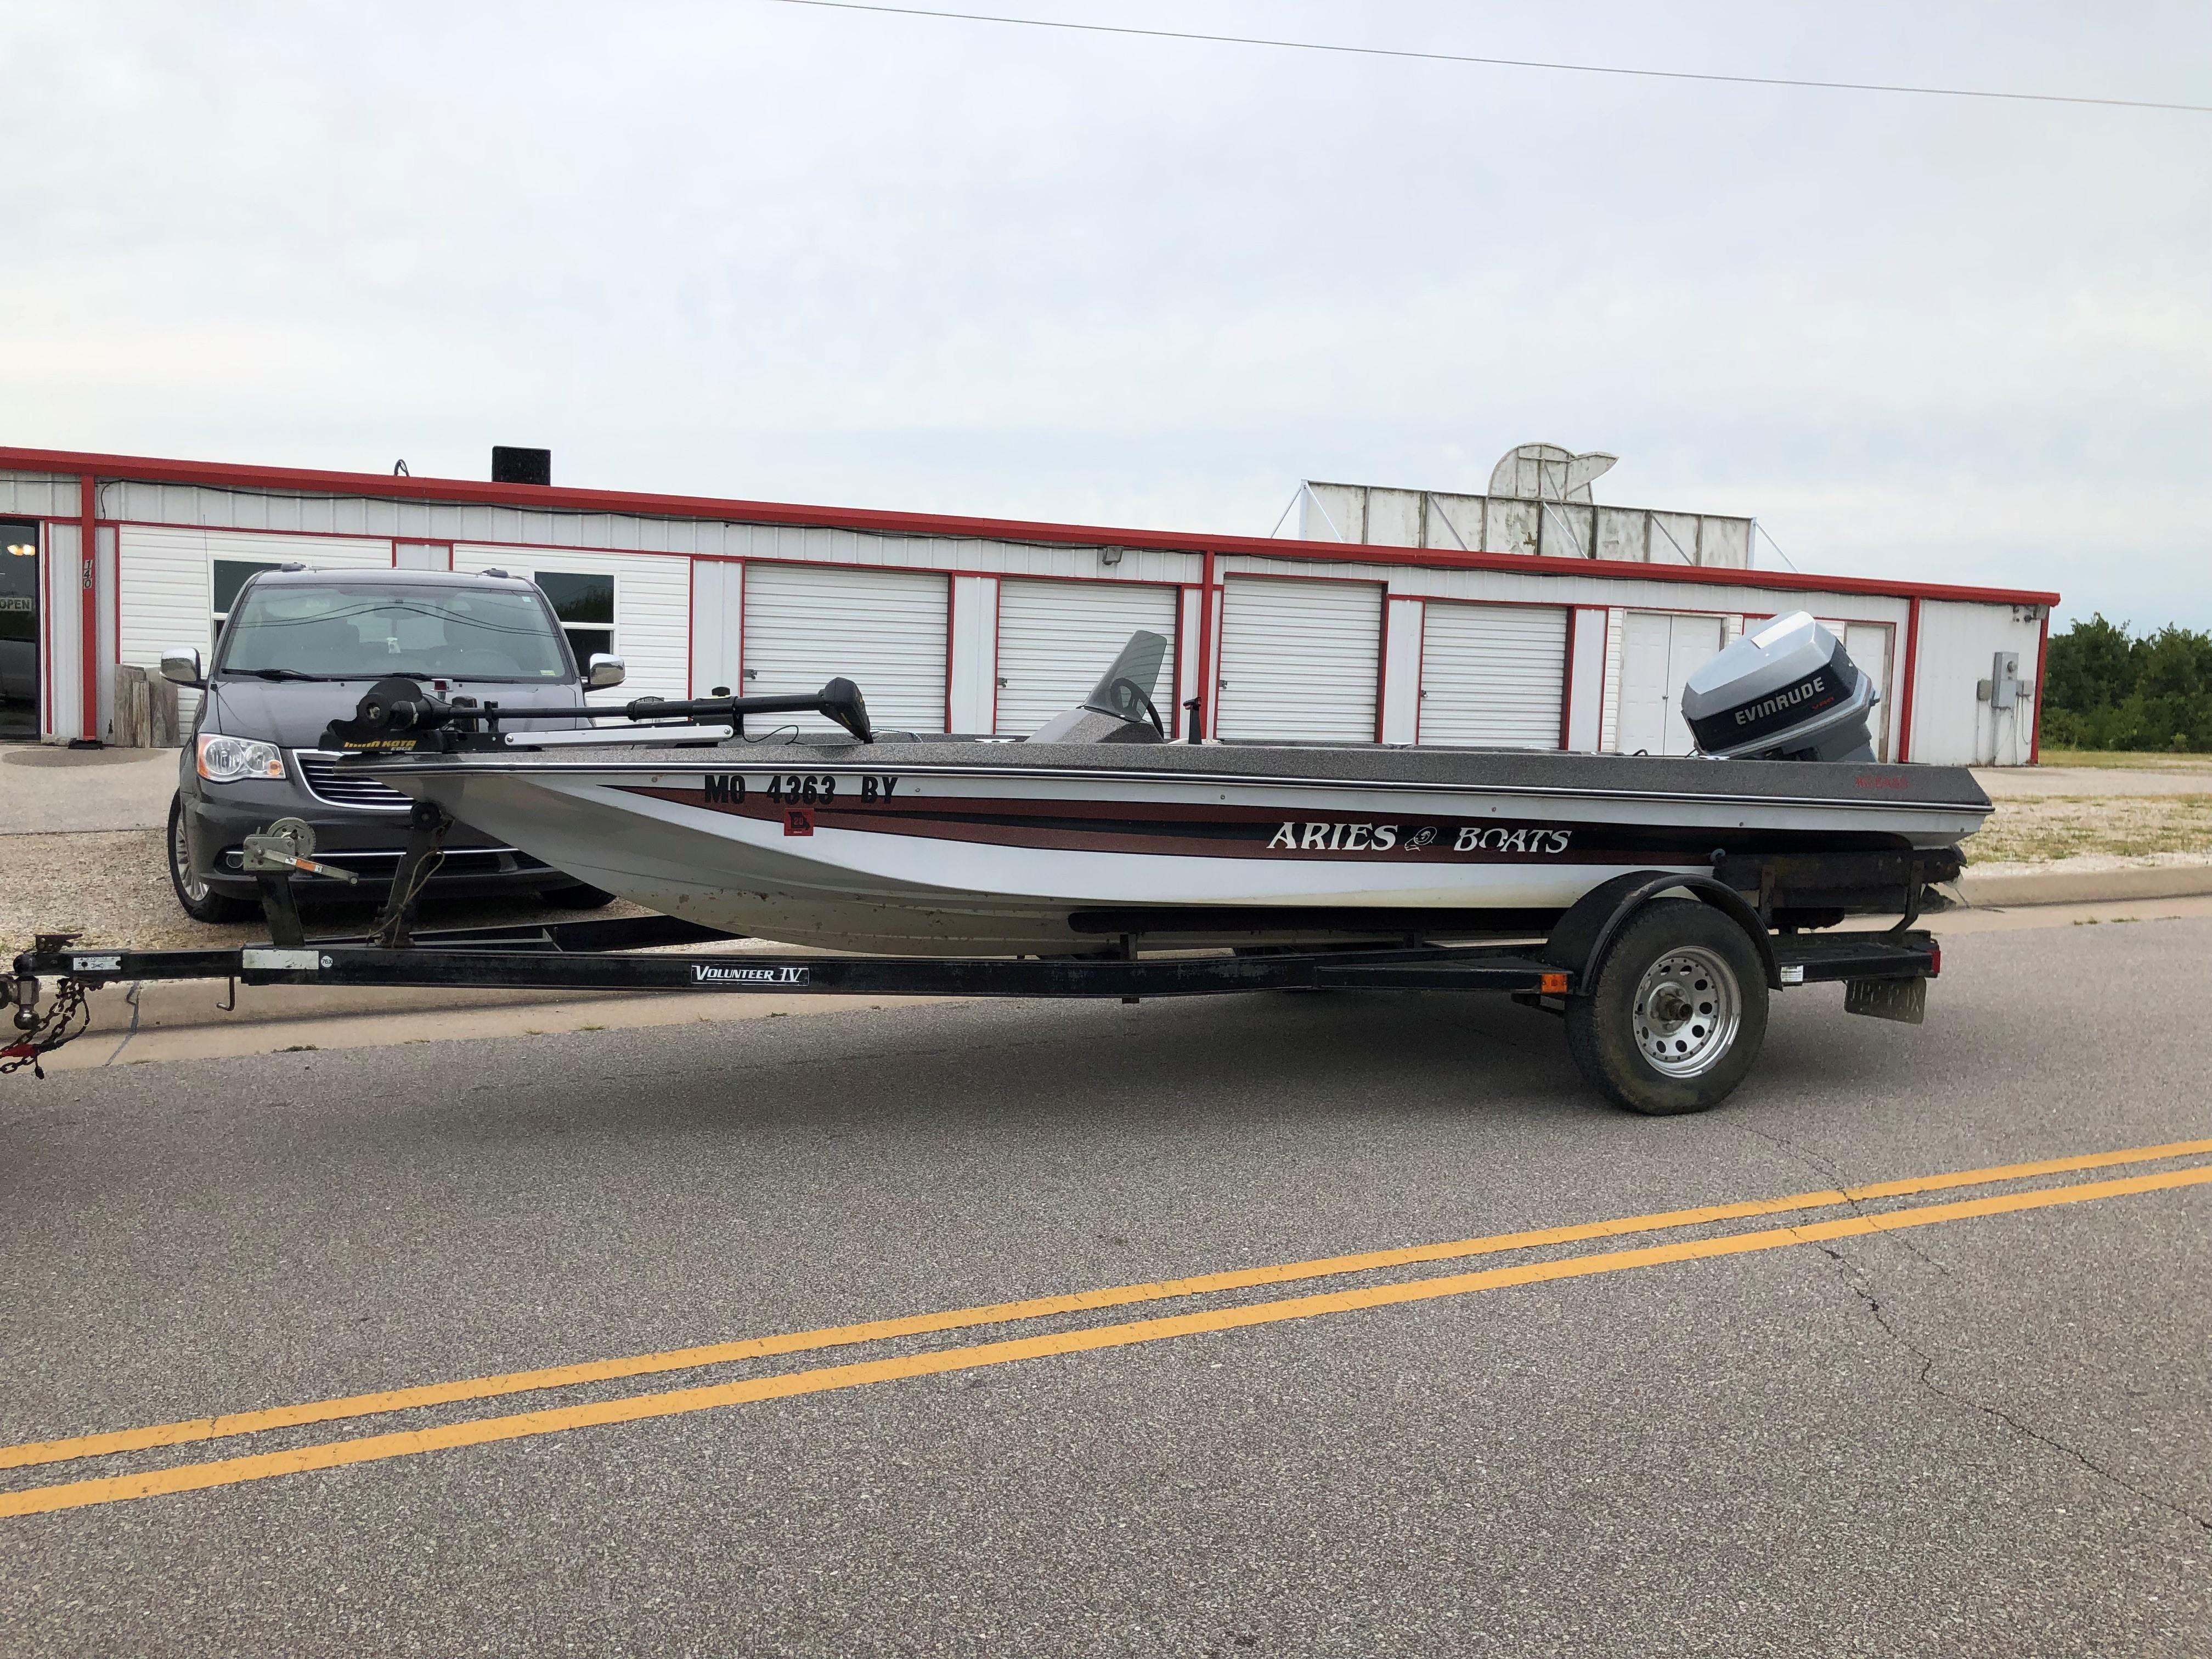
453, 765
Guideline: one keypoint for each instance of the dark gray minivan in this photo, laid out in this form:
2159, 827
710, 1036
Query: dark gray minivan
298, 649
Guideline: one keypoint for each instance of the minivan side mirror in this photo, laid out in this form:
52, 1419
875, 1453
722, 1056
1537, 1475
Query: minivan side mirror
180, 664
604, 672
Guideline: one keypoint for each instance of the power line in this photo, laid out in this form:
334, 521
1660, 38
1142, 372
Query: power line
1496, 63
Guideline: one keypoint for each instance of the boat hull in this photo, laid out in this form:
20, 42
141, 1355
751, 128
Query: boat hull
900, 849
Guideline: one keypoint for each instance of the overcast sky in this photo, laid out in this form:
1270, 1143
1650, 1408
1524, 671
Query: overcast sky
756, 250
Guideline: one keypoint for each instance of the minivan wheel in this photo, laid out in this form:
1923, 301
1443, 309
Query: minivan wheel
201, 902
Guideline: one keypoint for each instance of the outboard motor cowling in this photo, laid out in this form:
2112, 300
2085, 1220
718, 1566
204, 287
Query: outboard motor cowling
1788, 692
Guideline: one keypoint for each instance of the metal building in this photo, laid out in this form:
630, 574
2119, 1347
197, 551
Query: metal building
979, 625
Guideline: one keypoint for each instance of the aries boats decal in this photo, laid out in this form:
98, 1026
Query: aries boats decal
1192, 830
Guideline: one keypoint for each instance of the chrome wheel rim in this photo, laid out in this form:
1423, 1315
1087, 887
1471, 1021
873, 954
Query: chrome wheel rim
1687, 1011
180, 861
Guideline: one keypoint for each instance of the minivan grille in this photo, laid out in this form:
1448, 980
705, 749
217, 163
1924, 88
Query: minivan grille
331, 779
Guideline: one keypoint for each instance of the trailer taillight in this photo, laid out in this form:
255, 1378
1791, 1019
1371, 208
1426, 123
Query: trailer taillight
1934, 960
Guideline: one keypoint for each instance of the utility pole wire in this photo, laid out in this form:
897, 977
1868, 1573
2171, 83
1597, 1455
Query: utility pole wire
1496, 63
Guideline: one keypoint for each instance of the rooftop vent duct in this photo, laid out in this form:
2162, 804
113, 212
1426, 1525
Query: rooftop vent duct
530, 466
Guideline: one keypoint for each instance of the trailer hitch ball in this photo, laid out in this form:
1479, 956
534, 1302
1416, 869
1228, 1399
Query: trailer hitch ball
26, 997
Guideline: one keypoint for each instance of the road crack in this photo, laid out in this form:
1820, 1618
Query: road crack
1853, 1274
1855, 1277
1821, 1167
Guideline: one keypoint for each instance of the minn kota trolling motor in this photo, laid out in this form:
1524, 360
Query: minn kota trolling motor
399, 713
1788, 692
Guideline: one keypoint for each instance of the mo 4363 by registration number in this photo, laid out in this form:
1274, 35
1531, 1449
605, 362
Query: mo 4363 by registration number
803, 789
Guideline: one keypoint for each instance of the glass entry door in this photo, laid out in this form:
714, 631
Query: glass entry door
19, 630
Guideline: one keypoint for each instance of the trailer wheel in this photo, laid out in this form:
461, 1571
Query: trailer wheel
1675, 1014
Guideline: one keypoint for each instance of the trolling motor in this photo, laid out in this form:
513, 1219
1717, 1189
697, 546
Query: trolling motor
399, 713
1788, 692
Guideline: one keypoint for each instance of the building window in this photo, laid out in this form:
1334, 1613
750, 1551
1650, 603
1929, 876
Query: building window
230, 575
585, 606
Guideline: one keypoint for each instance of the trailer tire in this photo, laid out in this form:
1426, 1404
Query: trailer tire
1674, 1015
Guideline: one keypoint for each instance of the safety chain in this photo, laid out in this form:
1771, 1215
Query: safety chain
50, 1033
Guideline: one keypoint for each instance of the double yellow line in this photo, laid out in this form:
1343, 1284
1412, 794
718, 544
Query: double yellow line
337, 1454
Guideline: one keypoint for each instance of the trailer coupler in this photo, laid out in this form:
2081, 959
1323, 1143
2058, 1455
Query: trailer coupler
39, 1035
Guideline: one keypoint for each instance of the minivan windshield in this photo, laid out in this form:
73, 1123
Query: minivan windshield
339, 630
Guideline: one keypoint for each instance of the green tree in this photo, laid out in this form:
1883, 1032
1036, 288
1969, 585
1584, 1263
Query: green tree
2105, 688
2091, 666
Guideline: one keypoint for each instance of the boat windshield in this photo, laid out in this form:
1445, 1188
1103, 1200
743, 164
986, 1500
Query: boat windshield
366, 630
1130, 684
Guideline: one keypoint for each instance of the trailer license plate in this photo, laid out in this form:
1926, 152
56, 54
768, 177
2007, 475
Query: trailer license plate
1905, 1001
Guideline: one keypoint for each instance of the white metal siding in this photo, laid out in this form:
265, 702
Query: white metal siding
168, 592
1402, 669
107, 588
718, 588
1658, 654
1300, 659
653, 609
974, 637
1866, 644
885, 630
1493, 674
1585, 688
1056, 639
1951, 726
61, 622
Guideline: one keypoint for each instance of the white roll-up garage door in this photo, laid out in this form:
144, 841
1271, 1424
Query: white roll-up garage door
1299, 660
883, 630
1055, 639
1492, 673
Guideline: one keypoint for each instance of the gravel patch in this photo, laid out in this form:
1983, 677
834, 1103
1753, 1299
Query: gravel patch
112, 888
2035, 832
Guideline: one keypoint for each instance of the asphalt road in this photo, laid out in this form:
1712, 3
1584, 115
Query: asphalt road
1991, 1433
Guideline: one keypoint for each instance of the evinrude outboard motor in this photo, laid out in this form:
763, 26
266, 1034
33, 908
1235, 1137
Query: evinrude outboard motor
1788, 692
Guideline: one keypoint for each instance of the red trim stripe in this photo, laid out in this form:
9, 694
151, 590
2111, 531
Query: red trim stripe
1911, 672
2042, 656
88, 577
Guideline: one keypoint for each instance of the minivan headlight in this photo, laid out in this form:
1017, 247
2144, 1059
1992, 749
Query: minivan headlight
227, 760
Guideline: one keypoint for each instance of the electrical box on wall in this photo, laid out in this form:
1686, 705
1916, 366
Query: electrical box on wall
2004, 680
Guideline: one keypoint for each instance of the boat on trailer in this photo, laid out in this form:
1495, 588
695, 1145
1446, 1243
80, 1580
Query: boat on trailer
1096, 831
1652, 904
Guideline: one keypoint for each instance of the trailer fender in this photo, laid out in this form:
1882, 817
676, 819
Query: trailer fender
1581, 938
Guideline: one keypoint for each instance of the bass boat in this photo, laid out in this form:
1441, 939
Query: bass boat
1097, 833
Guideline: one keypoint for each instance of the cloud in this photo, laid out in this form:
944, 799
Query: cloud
756, 249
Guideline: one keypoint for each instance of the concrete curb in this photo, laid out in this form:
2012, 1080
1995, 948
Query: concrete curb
2162, 881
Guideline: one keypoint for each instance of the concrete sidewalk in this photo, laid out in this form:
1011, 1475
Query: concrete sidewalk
45, 790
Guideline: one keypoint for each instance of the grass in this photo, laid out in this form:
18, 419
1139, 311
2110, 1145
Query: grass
2037, 829
2151, 760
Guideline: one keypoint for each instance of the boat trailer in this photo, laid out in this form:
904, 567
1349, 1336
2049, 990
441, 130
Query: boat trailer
1663, 977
